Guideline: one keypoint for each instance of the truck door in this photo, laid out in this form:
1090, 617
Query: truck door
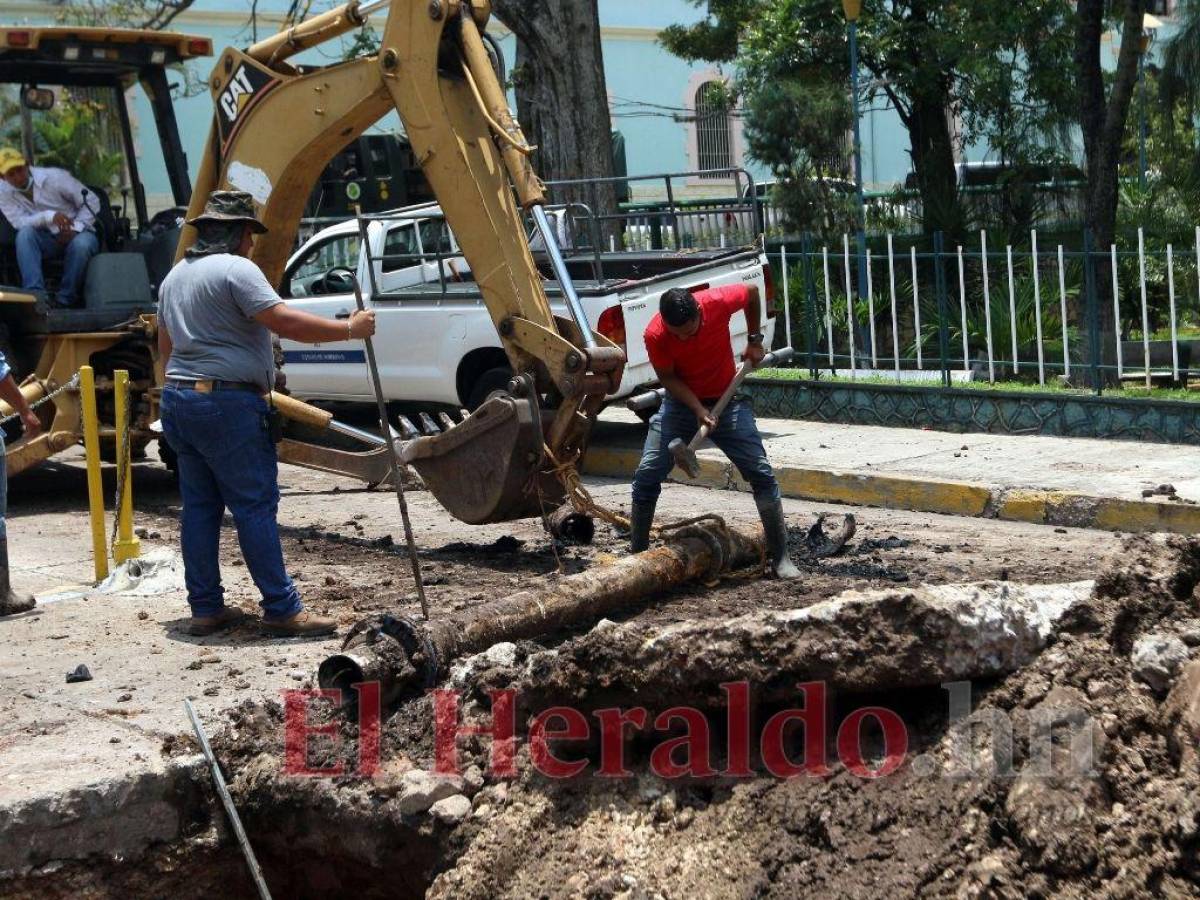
413, 322
336, 369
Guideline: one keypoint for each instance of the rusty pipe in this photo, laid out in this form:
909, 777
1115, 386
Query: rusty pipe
403, 655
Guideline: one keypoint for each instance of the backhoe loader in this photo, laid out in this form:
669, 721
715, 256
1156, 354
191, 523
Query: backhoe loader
275, 128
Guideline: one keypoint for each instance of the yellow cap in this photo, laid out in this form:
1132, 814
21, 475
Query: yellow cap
10, 159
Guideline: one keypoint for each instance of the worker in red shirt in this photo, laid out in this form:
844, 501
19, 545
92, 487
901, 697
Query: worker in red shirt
690, 348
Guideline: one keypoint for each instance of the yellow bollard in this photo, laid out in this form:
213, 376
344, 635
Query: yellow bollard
127, 546
91, 447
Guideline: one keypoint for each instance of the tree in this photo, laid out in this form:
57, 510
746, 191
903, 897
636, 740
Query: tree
152, 15
1103, 112
562, 99
1181, 61
934, 61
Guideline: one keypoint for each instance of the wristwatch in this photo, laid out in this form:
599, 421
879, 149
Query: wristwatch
755, 338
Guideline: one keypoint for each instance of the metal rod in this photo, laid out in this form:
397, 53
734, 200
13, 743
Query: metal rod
563, 276
987, 306
895, 320
1012, 309
1171, 296
365, 9
871, 313
828, 307
227, 801
1117, 307
95, 484
916, 307
1145, 309
787, 300
357, 433
962, 306
1062, 293
1037, 308
394, 456
850, 323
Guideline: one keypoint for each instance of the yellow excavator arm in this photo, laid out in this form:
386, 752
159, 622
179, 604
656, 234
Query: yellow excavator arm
276, 127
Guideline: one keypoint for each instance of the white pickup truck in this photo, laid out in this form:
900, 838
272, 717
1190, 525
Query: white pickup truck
435, 340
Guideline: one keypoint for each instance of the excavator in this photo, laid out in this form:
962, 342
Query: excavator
276, 126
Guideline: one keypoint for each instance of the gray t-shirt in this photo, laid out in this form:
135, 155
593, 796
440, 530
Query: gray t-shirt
208, 304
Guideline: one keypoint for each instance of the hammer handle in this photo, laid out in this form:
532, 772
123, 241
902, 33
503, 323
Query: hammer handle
719, 407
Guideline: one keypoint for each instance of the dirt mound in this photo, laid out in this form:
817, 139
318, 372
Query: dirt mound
1075, 775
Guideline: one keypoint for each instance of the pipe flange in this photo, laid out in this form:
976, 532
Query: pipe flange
413, 639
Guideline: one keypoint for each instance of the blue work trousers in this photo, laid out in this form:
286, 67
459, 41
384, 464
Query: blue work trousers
227, 461
37, 244
736, 435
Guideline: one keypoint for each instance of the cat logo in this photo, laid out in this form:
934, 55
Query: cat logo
236, 93
246, 82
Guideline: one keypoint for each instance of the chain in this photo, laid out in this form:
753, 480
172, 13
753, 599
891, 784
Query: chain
70, 385
721, 542
123, 454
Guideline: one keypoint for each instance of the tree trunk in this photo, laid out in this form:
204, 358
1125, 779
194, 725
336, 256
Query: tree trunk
562, 100
933, 162
1102, 120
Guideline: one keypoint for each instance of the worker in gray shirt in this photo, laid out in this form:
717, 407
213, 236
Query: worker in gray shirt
216, 313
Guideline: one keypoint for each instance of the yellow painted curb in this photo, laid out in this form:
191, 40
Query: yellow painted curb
1145, 515
950, 497
1024, 506
1038, 507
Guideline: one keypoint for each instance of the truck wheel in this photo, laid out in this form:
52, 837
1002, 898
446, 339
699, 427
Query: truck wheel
496, 379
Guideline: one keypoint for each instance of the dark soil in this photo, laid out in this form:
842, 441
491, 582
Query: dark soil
944, 824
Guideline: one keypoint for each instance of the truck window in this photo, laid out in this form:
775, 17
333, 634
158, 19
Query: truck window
435, 237
307, 278
400, 248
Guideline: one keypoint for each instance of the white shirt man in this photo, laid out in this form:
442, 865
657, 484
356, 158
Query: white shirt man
48, 210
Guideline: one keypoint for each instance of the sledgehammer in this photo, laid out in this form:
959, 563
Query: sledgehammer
685, 454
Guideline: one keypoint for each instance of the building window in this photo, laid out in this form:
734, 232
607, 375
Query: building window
714, 137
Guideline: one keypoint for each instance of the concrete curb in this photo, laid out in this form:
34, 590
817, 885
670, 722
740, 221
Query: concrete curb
957, 498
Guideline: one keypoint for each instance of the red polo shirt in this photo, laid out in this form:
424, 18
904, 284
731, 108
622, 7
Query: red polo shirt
705, 360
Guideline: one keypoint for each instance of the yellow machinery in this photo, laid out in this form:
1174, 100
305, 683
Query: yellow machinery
276, 127
114, 328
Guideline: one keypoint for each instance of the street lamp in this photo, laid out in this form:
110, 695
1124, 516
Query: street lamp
1150, 24
853, 9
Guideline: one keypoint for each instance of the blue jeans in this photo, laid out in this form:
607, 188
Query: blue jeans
37, 244
227, 461
736, 434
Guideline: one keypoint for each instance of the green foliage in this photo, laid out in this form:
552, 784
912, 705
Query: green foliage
1181, 61
998, 64
73, 135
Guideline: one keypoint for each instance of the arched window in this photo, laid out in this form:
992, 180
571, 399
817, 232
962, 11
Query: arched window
714, 137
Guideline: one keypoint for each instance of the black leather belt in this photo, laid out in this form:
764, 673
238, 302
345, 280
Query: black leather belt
207, 386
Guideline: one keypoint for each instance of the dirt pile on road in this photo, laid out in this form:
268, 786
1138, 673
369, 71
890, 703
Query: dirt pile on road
1077, 774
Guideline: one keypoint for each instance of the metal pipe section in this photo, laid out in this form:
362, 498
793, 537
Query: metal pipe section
562, 276
420, 654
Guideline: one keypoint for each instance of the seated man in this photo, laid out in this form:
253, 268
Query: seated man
52, 219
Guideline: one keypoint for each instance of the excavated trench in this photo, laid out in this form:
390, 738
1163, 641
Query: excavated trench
1049, 748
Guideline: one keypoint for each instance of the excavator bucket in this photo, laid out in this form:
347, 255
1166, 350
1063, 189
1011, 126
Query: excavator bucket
490, 467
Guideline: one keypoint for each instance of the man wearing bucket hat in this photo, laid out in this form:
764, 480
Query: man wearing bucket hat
48, 209
216, 313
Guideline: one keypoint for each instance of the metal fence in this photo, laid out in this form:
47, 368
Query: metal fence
921, 309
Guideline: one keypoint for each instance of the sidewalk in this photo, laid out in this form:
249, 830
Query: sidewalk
1079, 482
